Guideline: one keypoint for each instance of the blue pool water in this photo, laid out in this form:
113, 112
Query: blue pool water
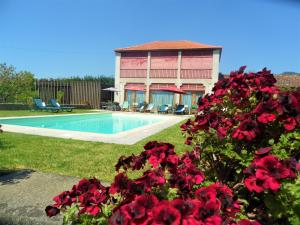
96, 123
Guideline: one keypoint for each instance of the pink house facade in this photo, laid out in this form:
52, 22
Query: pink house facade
142, 71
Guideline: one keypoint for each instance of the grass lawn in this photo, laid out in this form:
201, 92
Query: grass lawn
6, 113
72, 157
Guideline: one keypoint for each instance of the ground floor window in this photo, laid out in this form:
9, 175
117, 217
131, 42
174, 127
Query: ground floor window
161, 98
136, 97
190, 98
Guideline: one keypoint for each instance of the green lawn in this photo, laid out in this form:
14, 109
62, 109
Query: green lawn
6, 113
73, 157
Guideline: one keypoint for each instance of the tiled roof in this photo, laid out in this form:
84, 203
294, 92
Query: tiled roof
283, 80
167, 45
288, 80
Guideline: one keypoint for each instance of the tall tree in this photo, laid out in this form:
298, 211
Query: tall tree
15, 86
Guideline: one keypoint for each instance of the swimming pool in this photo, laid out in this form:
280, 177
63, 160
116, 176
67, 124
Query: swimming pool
101, 123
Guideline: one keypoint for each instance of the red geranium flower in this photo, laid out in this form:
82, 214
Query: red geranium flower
289, 123
166, 214
253, 184
263, 151
120, 184
119, 218
266, 172
147, 201
63, 199
187, 208
266, 117
213, 220
52, 211
247, 130
272, 167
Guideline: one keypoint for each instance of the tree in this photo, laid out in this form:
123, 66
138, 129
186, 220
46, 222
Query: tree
15, 86
6, 85
24, 84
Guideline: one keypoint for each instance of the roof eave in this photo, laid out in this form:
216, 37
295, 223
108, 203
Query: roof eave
165, 49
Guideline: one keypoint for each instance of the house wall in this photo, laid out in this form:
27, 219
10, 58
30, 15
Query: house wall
199, 67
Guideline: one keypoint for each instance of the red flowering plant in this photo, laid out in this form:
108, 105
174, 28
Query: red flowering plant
172, 191
248, 133
243, 169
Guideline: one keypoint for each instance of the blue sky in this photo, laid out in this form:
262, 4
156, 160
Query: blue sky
60, 38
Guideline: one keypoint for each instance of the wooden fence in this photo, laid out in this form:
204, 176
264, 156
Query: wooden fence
74, 92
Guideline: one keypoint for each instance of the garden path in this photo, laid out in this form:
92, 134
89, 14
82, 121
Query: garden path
24, 195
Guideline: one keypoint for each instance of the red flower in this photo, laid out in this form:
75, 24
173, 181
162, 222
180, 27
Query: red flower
247, 130
253, 184
52, 211
120, 184
172, 160
147, 201
119, 218
289, 123
263, 151
267, 172
266, 118
186, 207
86, 185
135, 212
271, 183
191, 221
166, 214
272, 167
63, 199
213, 220
93, 210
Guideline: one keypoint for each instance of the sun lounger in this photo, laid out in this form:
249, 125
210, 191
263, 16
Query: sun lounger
40, 105
125, 106
54, 103
180, 109
140, 107
163, 109
149, 107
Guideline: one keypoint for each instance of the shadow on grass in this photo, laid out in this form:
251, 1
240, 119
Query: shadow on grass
8, 176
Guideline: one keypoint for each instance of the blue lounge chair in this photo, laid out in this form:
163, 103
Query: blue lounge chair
149, 107
180, 109
125, 106
163, 109
54, 103
40, 105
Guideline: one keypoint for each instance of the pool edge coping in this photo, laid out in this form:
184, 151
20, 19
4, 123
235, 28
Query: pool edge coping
129, 137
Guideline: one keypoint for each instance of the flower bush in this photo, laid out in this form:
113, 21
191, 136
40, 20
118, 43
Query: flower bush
248, 133
243, 169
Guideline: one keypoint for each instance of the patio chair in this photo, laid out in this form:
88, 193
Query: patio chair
125, 106
40, 105
54, 103
149, 107
141, 107
180, 109
163, 109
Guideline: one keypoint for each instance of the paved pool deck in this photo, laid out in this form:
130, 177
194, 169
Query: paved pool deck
126, 137
25, 194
